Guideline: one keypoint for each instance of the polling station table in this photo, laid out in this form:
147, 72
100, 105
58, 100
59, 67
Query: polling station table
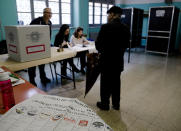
89, 48
5, 60
55, 56
68, 53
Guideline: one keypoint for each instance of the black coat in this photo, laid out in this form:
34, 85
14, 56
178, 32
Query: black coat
112, 41
40, 21
59, 38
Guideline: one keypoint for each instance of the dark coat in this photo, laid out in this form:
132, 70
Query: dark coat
112, 41
40, 21
59, 40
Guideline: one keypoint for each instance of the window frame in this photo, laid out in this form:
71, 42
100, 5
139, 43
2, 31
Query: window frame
32, 12
108, 2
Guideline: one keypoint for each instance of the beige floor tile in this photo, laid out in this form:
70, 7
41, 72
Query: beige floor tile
142, 113
155, 128
113, 119
139, 125
164, 122
128, 119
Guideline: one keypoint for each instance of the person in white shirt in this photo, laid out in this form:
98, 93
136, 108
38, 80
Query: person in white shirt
78, 38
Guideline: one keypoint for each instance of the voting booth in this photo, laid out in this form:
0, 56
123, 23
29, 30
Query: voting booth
162, 29
133, 18
27, 43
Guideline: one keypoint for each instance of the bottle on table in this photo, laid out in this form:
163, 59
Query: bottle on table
6, 90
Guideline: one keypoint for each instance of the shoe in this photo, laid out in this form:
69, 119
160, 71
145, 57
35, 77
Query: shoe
102, 106
45, 80
116, 107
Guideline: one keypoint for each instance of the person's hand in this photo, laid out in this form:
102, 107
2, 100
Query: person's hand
85, 42
64, 43
70, 44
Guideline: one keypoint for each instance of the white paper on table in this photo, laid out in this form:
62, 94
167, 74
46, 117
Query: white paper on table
18, 82
1, 70
52, 113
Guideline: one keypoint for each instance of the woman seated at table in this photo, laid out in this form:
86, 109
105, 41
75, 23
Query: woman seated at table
61, 40
77, 39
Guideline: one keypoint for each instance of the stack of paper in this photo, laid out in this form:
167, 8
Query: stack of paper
52, 113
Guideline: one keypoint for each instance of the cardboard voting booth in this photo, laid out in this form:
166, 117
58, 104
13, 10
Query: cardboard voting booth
27, 43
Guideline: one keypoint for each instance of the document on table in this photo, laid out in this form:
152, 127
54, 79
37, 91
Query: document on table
14, 79
52, 113
1, 70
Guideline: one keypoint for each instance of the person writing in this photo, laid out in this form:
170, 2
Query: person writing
78, 39
111, 43
61, 40
44, 20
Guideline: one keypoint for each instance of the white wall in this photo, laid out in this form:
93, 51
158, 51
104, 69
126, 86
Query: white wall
141, 1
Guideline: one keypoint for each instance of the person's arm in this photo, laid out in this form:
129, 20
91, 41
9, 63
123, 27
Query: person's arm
73, 40
85, 41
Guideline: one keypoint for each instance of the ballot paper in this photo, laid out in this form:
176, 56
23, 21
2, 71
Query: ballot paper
52, 113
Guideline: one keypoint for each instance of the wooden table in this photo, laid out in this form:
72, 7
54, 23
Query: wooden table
55, 56
22, 91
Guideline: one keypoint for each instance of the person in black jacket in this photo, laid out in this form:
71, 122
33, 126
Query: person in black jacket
111, 43
44, 20
61, 40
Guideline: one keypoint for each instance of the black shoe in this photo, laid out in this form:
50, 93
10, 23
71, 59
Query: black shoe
116, 107
45, 80
102, 106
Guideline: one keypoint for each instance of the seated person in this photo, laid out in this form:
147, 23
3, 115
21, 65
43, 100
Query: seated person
61, 40
77, 38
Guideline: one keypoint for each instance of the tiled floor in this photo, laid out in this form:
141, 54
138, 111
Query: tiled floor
150, 96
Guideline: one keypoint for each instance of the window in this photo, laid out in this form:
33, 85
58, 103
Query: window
110, 5
98, 11
29, 9
54, 5
104, 13
65, 6
38, 7
90, 12
24, 11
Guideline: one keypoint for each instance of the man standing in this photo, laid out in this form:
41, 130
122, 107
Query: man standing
44, 20
111, 43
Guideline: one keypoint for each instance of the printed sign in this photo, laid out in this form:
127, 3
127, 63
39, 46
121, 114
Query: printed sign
35, 49
160, 13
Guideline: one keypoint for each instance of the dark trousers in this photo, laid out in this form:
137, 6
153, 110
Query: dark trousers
82, 56
110, 84
64, 65
32, 72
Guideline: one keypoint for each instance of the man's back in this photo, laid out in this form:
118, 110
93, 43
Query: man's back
112, 41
